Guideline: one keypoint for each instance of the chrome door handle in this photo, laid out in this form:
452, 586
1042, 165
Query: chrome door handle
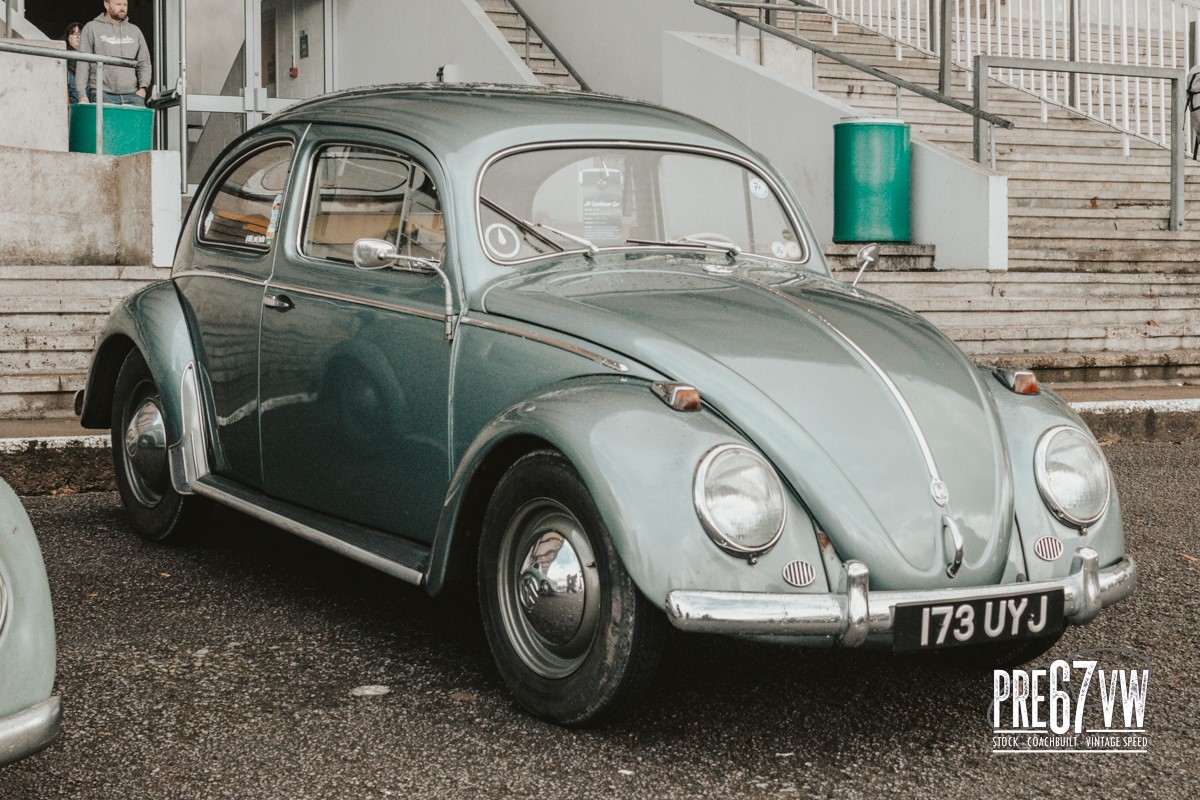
279, 302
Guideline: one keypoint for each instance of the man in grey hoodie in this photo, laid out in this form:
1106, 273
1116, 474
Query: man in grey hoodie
112, 34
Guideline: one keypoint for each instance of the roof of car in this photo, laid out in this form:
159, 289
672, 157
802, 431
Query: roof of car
456, 117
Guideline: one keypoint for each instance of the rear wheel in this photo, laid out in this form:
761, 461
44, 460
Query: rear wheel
572, 636
139, 447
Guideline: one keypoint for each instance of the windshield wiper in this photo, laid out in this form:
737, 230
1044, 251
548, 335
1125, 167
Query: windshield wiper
591, 248
529, 227
729, 248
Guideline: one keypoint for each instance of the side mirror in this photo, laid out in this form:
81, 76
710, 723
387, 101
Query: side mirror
867, 256
374, 254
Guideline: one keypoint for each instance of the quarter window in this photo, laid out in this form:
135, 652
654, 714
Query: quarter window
244, 210
364, 193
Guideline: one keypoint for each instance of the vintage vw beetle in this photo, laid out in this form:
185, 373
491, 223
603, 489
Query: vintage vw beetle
587, 351
30, 715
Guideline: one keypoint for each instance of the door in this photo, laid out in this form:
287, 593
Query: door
233, 242
355, 365
243, 61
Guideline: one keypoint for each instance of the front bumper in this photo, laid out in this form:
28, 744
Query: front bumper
853, 613
28, 731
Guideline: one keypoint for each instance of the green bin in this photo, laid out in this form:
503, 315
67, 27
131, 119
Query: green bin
127, 129
871, 181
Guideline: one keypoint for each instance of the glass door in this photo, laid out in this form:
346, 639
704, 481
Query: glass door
245, 60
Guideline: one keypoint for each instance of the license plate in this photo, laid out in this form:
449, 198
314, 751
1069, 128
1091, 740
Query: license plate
927, 626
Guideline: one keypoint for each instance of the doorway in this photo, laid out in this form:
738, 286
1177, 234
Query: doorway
244, 60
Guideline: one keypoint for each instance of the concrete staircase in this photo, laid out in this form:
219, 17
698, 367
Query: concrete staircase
50, 318
532, 50
1098, 290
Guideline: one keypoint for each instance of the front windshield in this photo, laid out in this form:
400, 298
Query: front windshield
540, 202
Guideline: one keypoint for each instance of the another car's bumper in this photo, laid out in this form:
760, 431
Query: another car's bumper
28, 731
854, 613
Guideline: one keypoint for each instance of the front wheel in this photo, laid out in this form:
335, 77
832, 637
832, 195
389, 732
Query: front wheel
139, 447
572, 636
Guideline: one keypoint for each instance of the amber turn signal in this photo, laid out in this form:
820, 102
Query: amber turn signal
678, 396
1019, 382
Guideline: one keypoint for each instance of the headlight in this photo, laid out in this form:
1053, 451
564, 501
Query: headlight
1072, 475
740, 500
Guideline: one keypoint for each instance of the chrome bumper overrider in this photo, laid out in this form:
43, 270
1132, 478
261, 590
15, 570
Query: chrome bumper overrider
853, 613
28, 731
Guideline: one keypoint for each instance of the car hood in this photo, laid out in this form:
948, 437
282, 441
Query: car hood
862, 405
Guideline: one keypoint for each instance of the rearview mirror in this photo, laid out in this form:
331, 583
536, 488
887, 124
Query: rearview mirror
374, 254
867, 256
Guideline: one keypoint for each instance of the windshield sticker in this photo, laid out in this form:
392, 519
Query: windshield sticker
273, 225
793, 250
779, 249
758, 188
502, 240
602, 200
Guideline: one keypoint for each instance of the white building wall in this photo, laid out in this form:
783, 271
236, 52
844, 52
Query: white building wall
391, 41
629, 47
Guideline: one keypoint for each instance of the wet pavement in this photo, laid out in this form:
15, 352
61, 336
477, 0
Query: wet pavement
248, 664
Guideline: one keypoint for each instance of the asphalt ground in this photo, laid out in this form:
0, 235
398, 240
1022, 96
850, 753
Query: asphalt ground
239, 666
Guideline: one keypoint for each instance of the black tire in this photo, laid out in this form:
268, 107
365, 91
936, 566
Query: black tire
1000, 655
156, 511
590, 657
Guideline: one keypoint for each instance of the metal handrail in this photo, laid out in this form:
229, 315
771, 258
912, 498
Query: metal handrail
945, 100
531, 25
75, 55
1177, 77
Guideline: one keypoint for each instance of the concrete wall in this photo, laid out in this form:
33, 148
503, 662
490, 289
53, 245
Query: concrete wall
617, 45
390, 41
113, 210
33, 99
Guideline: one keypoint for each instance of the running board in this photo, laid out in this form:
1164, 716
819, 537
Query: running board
383, 551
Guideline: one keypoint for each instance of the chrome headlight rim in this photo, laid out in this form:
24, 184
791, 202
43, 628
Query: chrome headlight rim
710, 525
1043, 478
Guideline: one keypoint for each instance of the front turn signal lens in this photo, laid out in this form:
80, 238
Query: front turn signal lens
678, 396
1020, 381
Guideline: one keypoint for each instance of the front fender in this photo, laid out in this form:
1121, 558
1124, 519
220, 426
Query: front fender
152, 321
1023, 419
638, 458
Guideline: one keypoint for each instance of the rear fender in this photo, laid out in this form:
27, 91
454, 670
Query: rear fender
638, 458
152, 321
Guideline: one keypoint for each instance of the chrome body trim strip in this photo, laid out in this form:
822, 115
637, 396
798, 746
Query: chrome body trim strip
1086, 590
358, 301
26, 732
211, 273
3, 602
542, 339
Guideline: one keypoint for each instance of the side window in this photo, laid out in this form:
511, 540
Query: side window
364, 193
244, 209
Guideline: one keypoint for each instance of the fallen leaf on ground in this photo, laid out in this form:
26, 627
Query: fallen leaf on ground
1189, 558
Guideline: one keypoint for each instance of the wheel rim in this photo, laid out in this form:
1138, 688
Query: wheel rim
548, 588
144, 446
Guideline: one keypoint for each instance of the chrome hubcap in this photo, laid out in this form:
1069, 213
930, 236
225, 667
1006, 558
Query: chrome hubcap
145, 451
549, 588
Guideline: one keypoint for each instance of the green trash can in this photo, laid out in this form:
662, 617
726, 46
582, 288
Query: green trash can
127, 129
871, 161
